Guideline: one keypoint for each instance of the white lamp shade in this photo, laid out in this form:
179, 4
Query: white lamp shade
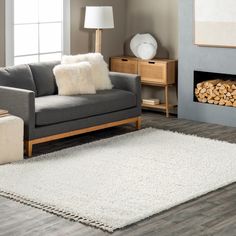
99, 17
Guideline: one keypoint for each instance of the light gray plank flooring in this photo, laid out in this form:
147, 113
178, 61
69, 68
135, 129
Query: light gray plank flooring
213, 214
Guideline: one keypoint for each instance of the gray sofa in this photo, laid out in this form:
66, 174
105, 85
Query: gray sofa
30, 92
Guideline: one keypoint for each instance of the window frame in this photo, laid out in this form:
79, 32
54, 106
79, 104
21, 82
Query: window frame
9, 31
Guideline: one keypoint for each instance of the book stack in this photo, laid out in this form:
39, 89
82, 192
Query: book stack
3, 113
151, 101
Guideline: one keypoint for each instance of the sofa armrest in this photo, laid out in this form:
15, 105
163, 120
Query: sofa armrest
21, 103
128, 82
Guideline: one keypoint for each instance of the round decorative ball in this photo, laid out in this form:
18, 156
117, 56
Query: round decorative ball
144, 46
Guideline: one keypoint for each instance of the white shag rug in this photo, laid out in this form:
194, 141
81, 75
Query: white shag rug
113, 183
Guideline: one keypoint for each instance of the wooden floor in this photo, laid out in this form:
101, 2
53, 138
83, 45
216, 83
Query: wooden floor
213, 214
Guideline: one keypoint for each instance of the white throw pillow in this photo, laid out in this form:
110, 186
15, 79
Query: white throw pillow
100, 72
74, 79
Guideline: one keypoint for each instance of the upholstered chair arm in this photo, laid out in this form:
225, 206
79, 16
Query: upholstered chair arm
128, 82
21, 103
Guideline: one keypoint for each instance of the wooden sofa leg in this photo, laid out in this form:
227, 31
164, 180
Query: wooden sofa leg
28, 148
138, 123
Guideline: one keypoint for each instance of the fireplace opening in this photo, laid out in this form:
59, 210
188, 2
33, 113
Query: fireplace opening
215, 88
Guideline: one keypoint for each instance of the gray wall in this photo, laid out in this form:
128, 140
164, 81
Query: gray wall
192, 57
158, 17
2, 33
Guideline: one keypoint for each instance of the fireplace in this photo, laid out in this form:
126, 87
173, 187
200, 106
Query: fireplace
197, 64
215, 88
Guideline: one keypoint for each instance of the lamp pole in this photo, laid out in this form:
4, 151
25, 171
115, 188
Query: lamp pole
98, 44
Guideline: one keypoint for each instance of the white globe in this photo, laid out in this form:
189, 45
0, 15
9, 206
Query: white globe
144, 46
146, 51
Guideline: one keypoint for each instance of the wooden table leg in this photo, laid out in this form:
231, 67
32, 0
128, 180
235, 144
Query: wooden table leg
167, 100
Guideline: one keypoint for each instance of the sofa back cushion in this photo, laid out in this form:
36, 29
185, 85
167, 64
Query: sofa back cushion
17, 77
44, 78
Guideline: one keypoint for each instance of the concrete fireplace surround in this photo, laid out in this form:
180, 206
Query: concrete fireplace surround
194, 58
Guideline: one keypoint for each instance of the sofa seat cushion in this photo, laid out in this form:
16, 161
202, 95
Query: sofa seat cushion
56, 109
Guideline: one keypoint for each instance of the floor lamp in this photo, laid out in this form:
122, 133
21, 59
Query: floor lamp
99, 18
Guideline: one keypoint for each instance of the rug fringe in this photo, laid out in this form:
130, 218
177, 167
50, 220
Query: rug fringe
55, 211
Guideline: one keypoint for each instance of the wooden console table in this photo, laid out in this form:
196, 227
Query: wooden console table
156, 73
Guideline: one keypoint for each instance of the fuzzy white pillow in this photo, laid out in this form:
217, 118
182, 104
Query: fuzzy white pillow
100, 72
73, 79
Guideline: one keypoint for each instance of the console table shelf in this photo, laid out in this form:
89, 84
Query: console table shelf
151, 82
155, 73
159, 106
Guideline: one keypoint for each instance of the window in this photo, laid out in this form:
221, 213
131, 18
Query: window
37, 30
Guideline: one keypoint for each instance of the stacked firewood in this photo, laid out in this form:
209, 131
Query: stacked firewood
218, 92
